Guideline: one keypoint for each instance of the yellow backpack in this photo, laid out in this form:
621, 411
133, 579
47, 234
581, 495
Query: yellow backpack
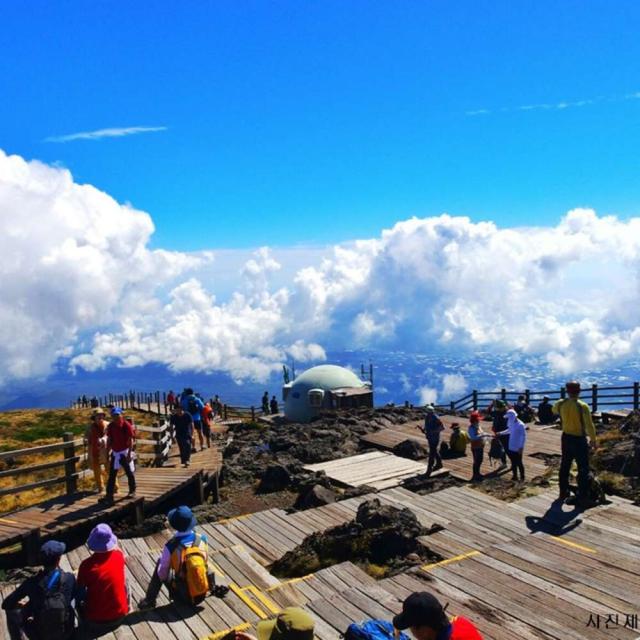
189, 564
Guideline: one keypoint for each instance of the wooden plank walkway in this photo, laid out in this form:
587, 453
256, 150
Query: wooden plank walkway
377, 469
62, 516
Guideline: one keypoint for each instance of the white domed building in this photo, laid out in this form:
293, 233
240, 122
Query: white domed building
324, 387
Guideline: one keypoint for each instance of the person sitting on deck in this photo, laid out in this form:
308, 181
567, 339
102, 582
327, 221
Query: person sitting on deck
182, 566
182, 424
97, 453
458, 441
291, 623
48, 613
103, 598
120, 439
517, 437
423, 614
432, 428
523, 410
477, 438
545, 412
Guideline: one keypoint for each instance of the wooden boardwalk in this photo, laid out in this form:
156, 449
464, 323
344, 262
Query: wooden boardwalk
64, 516
529, 569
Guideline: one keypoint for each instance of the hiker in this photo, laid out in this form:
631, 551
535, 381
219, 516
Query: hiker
97, 453
499, 423
103, 597
274, 406
171, 399
182, 424
432, 428
120, 440
194, 405
217, 406
477, 438
48, 613
458, 441
517, 433
292, 623
207, 419
577, 425
523, 410
545, 412
85, 402
182, 566
423, 614
94, 402
265, 403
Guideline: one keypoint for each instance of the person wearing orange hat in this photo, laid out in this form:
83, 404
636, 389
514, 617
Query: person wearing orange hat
577, 425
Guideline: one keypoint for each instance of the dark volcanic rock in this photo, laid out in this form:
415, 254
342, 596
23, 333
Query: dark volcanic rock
275, 478
316, 496
381, 535
412, 449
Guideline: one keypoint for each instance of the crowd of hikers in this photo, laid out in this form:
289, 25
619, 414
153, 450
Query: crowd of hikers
57, 605
508, 438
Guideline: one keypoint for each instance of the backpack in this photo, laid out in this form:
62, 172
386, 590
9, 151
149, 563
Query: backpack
53, 618
495, 451
191, 577
373, 630
193, 406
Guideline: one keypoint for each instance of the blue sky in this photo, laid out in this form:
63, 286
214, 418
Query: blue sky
315, 122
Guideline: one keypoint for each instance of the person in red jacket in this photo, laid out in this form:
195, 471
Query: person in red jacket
120, 438
102, 589
423, 614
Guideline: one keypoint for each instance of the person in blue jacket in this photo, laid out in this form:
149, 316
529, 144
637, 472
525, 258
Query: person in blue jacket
192, 404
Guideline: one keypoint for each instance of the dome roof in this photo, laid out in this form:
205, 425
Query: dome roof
326, 377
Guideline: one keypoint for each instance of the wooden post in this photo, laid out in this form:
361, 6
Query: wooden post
158, 401
149, 403
200, 488
503, 394
70, 466
31, 547
636, 395
594, 398
215, 487
452, 405
253, 413
157, 447
563, 392
164, 402
527, 396
225, 412
138, 511
475, 399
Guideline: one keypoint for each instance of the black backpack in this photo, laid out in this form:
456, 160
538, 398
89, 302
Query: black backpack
53, 619
193, 406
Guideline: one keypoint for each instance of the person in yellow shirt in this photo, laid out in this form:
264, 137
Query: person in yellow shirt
577, 426
458, 441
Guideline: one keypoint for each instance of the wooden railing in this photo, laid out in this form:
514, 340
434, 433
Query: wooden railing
598, 397
153, 449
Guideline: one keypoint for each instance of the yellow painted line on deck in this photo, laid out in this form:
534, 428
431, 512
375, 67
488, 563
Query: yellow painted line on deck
264, 600
442, 563
252, 605
9, 521
575, 545
220, 634
292, 581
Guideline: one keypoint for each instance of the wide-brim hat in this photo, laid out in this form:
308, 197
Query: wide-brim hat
102, 539
291, 623
98, 411
182, 519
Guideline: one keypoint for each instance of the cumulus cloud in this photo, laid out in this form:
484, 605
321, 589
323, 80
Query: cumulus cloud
427, 395
100, 134
80, 282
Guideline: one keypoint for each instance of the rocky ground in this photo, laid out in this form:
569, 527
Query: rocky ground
617, 457
381, 539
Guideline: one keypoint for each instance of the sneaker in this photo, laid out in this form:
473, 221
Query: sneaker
146, 605
107, 501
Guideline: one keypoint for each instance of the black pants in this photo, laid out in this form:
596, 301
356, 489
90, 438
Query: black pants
434, 454
575, 448
20, 627
516, 464
478, 457
153, 590
504, 441
184, 444
111, 483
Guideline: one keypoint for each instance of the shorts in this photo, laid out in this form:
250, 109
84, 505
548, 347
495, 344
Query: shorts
197, 425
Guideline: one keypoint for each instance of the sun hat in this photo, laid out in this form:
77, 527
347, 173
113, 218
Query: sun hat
98, 411
102, 539
291, 623
182, 519
421, 609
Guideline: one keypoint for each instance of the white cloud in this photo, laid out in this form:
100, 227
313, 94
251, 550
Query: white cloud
79, 281
426, 395
99, 134
453, 385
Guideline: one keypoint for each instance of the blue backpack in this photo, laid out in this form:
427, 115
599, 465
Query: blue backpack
372, 630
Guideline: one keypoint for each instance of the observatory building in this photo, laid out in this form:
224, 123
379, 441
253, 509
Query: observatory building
324, 387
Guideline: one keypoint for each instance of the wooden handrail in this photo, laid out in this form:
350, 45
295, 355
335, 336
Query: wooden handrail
45, 448
8, 473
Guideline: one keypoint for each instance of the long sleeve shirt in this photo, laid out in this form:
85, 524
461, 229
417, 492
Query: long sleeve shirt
515, 430
575, 416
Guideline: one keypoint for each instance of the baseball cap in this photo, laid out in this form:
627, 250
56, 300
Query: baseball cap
291, 623
421, 609
116, 411
52, 550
